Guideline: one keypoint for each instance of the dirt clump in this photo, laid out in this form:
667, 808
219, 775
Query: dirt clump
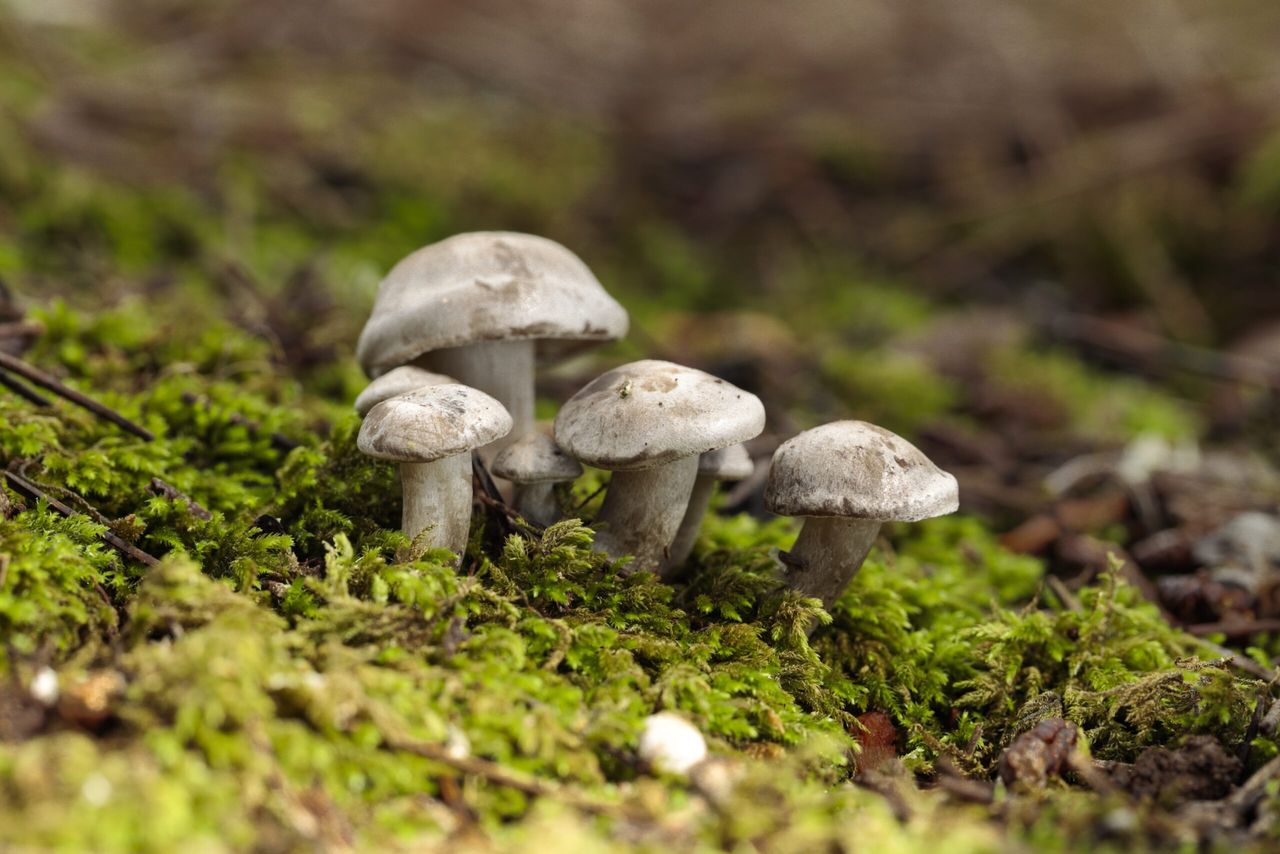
1199, 770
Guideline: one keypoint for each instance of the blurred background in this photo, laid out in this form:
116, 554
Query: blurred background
1040, 240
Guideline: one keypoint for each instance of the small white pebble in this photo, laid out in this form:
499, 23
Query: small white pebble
456, 744
670, 743
44, 687
96, 790
1120, 820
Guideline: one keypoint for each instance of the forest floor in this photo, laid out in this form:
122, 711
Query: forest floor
214, 636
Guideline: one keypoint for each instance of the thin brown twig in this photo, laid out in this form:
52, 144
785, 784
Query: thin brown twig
1245, 798
14, 365
584, 502
1235, 659
1234, 628
31, 490
1142, 346
22, 390
503, 776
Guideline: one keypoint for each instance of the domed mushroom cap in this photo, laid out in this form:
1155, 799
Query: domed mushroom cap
535, 459
487, 286
858, 470
731, 463
395, 382
651, 412
432, 423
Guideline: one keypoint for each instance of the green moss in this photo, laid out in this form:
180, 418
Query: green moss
898, 391
1090, 404
273, 679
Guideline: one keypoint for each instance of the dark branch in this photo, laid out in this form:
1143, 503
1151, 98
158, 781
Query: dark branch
30, 490
22, 390
14, 365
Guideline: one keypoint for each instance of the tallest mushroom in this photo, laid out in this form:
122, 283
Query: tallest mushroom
482, 307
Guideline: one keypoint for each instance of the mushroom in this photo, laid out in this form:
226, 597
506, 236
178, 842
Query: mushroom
846, 479
535, 464
430, 432
648, 422
476, 306
395, 382
723, 464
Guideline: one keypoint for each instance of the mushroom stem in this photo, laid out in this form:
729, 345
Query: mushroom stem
642, 512
437, 498
828, 554
699, 501
502, 369
537, 502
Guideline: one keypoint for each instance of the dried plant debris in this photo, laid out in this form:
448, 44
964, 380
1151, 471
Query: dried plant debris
1198, 770
1043, 753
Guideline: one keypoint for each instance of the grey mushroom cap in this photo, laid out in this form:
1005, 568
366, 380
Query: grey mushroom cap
535, 459
860, 471
487, 286
648, 413
396, 382
432, 423
731, 463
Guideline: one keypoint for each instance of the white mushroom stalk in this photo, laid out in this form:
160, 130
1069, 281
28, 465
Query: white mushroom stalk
642, 511
535, 464
502, 369
827, 555
483, 307
725, 464
431, 432
846, 479
648, 422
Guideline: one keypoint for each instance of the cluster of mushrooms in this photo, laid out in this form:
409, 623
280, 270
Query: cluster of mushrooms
452, 344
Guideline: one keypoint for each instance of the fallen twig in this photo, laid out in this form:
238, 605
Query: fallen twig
584, 502
1234, 628
503, 776
953, 781
14, 365
164, 489
22, 390
1147, 349
1251, 791
1235, 659
34, 492
489, 496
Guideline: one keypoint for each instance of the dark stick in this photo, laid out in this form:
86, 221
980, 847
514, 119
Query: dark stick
21, 390
29, 489
34, 375
584, 502
1234, 628
502, 776
1141, 346
487, 486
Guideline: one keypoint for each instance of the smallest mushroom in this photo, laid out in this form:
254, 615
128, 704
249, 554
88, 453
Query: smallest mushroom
431, 432
535, 464
847, 478
396, 382
723, 464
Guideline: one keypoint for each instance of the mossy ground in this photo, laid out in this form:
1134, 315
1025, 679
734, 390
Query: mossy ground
295, 673
276, 671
